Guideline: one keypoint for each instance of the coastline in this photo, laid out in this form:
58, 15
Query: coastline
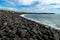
15, 27
49, 25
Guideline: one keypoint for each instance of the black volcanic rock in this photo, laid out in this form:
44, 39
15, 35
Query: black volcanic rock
15, 27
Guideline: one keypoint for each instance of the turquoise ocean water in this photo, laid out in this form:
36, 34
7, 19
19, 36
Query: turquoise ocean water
48, 19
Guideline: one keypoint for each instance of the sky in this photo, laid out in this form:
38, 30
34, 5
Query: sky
39, 6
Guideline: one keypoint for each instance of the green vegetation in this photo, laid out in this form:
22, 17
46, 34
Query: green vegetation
8, 11
11, 11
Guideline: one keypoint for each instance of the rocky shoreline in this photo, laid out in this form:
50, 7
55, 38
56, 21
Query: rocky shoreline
15, 27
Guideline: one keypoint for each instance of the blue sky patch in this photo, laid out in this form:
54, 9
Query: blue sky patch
31, 5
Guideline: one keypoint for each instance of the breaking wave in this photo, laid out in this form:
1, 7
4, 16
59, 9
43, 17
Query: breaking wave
41, 22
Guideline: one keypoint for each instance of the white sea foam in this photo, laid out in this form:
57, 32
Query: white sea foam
41, 22
22, 15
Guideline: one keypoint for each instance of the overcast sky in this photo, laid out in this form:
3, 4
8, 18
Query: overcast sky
31, 5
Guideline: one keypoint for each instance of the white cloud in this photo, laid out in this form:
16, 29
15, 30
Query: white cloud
10, 2
26, 2
43, 5
30, 2
20, 2
49, 1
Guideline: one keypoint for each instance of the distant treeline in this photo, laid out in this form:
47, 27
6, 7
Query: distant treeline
11, 11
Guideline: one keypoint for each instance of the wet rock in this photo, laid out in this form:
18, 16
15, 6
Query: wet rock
31, 39
5, 23
56, 37
45, 37
24, 39
23, 33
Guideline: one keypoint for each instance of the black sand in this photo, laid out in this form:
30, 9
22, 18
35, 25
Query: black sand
15, 27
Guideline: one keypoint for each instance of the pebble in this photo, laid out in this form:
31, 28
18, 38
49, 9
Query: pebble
18, 28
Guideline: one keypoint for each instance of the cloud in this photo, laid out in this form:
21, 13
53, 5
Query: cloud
35, 5
49, 1
46, 5
10, 2
30, 2
26, 2
20, 2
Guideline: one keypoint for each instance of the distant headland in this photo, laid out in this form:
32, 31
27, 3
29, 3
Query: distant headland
11, 11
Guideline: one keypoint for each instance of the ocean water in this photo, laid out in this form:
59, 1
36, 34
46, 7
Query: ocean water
52, 20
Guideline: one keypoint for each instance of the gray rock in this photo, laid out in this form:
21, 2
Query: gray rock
23, 33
